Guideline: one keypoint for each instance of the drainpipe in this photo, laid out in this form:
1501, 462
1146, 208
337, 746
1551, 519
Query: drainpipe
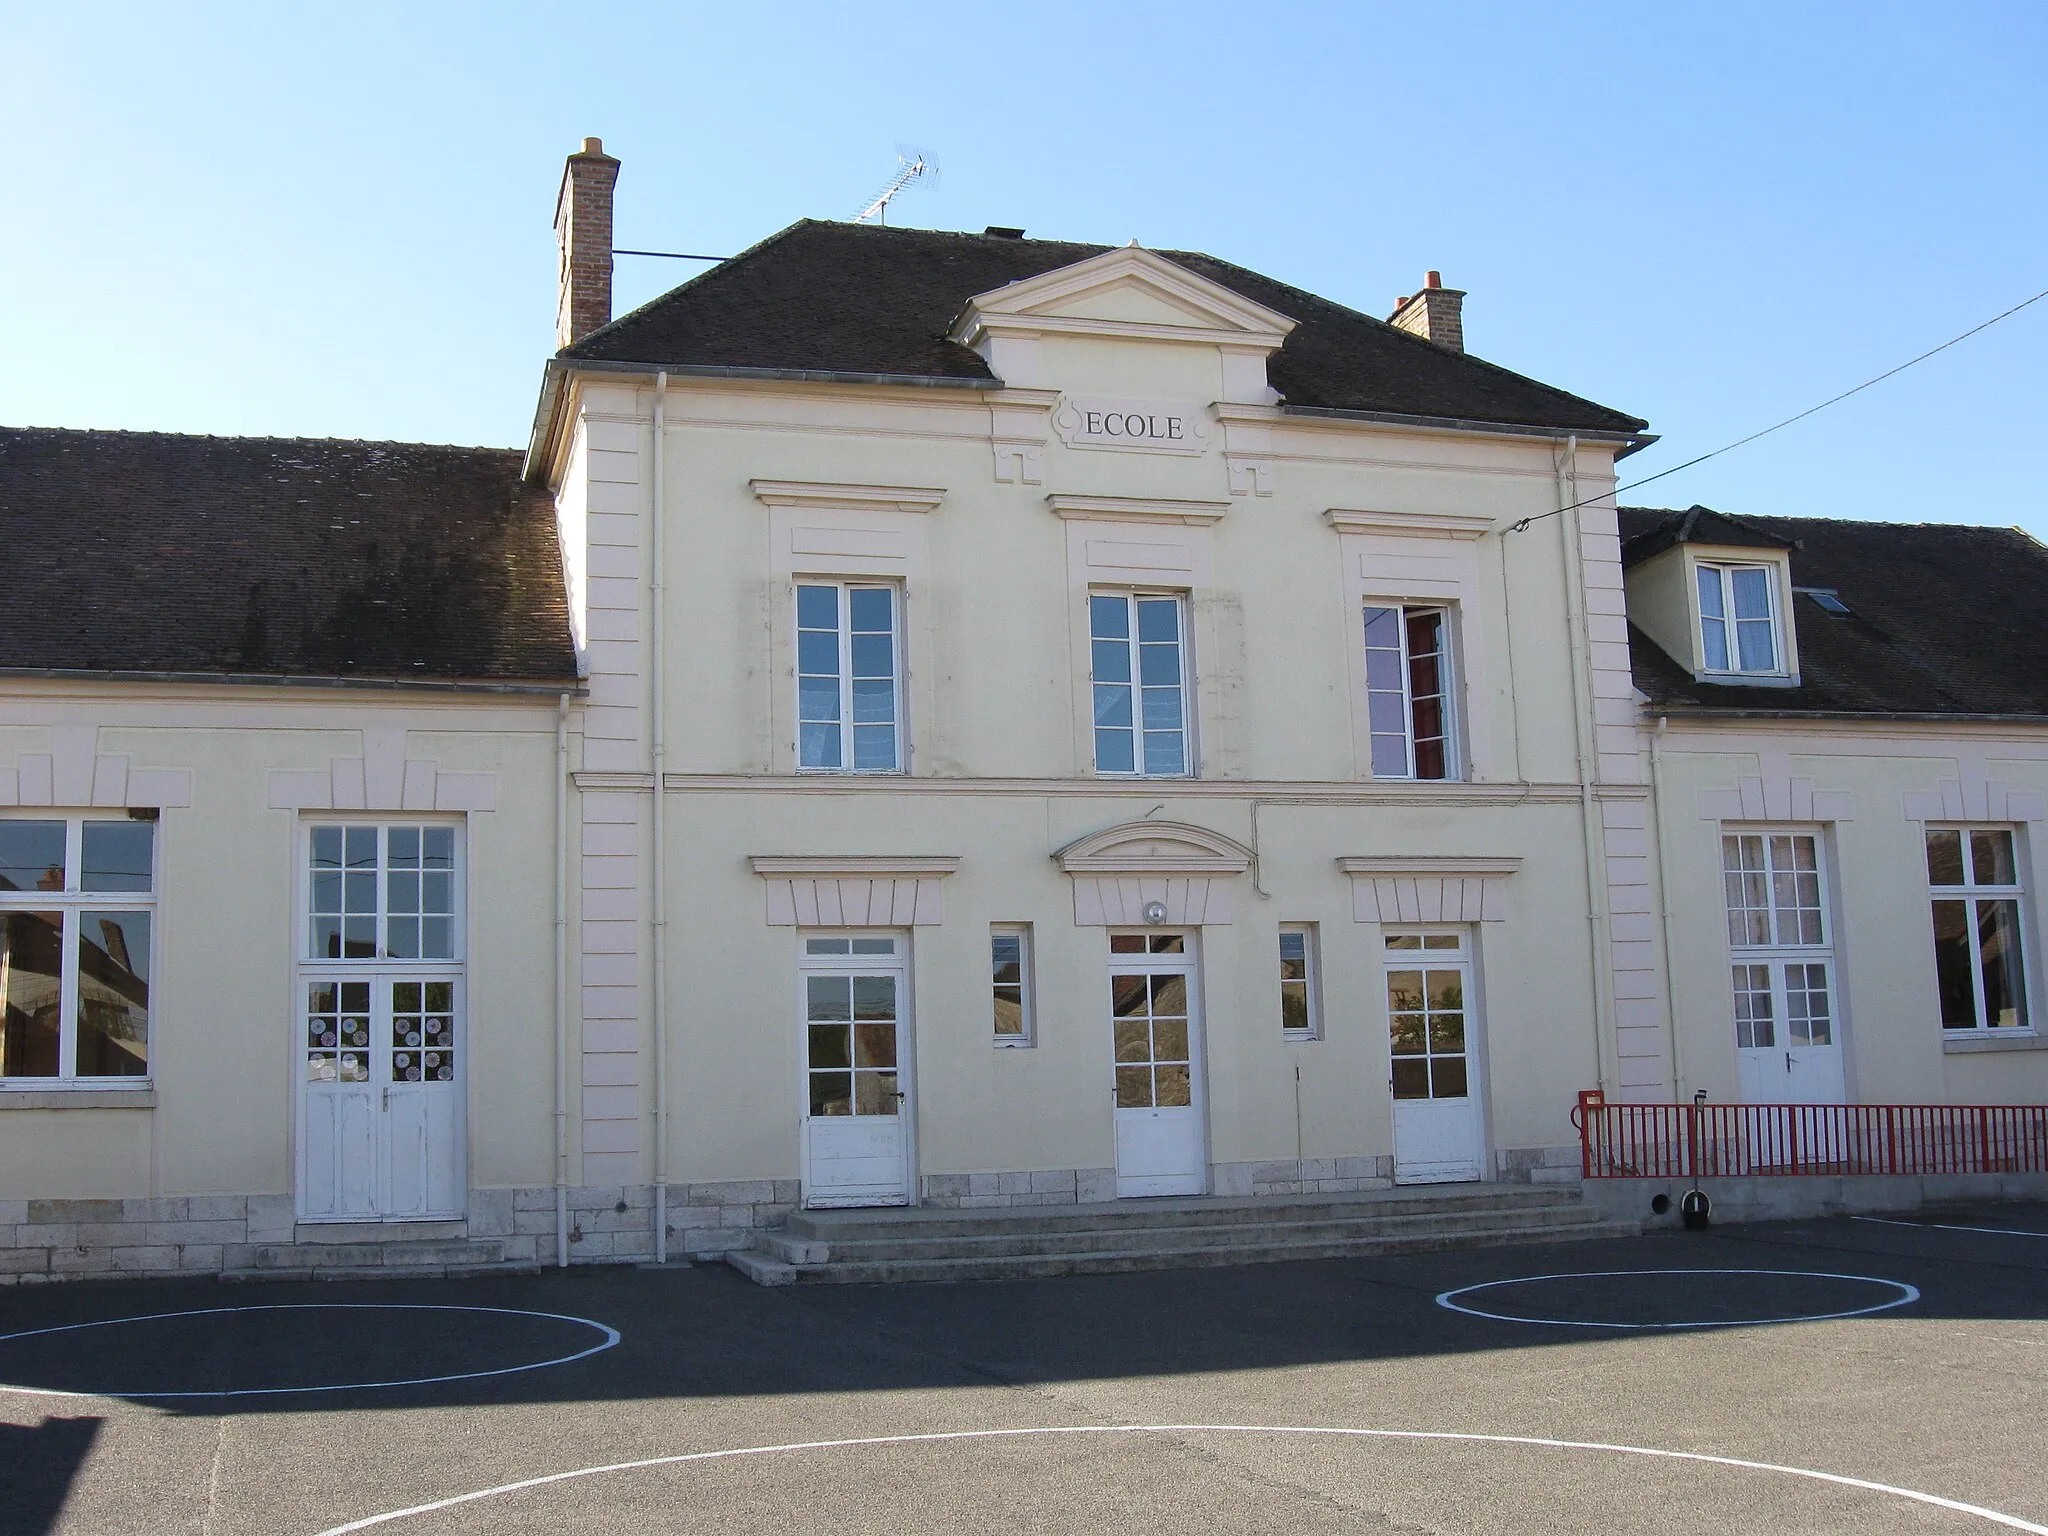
561, 982
1581, 647
659, 756
1664, 905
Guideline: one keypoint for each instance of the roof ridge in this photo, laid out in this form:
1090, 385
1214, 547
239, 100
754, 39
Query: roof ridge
247, 437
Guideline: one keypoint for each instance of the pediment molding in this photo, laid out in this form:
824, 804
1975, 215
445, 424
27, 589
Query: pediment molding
1214, 314
1166, 848
1439, 525
1137, 509
818, 494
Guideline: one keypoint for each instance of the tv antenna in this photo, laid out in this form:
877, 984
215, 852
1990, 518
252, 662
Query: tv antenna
911, 165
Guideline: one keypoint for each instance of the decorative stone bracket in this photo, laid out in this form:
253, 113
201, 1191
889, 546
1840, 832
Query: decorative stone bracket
382, 779
1122, 870
74, 772
1974, 798
1444, 888
854, 890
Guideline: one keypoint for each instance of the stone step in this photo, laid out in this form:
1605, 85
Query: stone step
1128, 1215
324, 1232
766, 1270
1024, 1239
437, 1255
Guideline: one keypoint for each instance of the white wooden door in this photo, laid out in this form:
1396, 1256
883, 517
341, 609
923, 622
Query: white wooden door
382, 1093
1439, 1123
1788, 1047
857, 1112
1156, 1030
1786, 1050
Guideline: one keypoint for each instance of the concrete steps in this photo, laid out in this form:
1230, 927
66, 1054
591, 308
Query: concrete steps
852, 1247
372, 1251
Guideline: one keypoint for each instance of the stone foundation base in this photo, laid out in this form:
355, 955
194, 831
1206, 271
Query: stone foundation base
1797, 1197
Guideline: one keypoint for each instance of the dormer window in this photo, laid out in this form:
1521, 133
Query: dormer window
1738, 618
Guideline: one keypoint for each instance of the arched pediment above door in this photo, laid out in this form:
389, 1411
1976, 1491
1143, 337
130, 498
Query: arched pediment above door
1121, 870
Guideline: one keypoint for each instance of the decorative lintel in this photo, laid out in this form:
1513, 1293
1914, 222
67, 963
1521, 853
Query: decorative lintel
1138, 509
1441, 525
1429, 888
818, 493
853, 890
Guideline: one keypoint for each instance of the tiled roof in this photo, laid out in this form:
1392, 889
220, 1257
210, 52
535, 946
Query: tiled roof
302, 557
1943, 620
861, 298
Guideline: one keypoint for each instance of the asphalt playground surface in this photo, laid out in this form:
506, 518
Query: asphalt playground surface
1305, 1398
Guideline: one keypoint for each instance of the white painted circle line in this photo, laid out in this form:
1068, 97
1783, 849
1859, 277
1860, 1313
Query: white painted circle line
1996, 1517
1907, 1295
611, 1337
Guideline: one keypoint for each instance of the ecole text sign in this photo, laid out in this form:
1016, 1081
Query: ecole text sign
1133, 426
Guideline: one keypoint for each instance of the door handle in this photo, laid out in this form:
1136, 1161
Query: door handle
1788, 1061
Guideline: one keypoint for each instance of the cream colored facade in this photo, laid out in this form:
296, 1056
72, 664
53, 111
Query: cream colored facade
635, 1063
995, 516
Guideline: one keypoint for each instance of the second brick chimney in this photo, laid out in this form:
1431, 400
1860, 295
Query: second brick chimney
1436, 314
583, 230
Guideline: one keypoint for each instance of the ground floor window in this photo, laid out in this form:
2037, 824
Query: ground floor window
77, 911
1979, 959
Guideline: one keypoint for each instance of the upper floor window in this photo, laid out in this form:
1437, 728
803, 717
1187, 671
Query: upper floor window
1738, 618
77, 907
848, 677
1138, 667
1408, 692
381, 893
1979, 967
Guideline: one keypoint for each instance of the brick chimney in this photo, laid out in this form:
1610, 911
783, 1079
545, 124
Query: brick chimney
1436, 314
583, 228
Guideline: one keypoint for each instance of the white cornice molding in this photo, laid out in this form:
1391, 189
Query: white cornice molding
853, 866
866, 498
1447, 866
1138, 509
1437, 525
1155, 848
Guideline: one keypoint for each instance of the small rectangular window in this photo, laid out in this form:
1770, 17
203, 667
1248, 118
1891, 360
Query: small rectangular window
1738, 619
1138, 674
1300, 1002
1009, 955
848, 678
76, 921
1979, 960
1408, 692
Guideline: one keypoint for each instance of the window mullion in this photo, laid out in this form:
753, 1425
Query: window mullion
67, 991
845, 640
1407, 689
1136, 686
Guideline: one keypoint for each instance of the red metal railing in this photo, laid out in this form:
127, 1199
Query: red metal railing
1686, 1141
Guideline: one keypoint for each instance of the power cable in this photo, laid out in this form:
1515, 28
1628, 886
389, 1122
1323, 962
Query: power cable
1767, 431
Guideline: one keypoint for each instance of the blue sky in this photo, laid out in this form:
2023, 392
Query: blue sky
334, 221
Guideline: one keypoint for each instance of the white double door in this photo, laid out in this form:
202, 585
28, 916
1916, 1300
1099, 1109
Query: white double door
857, 1109
1439, 1119
1788, 1048
1156, 1031
382, 1088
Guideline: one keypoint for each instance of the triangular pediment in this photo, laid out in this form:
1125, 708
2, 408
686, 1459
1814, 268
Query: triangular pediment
1155, 848
1125, 292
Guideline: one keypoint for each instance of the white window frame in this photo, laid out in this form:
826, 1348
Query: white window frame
846, 586
1447, 676
1970, 893
382, 960
73, 902
1134, 687
1027, 986
1724, 572
1310, 980
1778, 953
